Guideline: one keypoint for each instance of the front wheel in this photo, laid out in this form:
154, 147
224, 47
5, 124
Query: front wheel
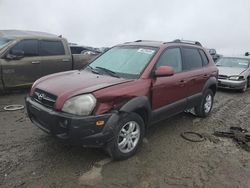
128, 136
205, 107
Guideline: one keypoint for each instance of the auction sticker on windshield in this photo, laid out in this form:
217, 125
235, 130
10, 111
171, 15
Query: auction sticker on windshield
145, 51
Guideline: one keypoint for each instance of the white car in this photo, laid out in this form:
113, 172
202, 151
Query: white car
234, 73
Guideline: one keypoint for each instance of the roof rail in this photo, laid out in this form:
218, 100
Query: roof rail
144, 41
135, 41
188, 42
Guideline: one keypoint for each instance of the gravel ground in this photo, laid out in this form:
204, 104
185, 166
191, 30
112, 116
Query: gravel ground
31, 158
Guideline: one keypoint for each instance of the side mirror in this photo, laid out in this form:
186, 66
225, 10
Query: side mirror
15, 54
247, 54
164, 71
212, 51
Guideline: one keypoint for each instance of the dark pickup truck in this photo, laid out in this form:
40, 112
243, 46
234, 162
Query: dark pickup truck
26, 56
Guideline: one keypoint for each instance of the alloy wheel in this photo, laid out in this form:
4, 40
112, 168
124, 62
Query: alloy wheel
128, 137
208, 103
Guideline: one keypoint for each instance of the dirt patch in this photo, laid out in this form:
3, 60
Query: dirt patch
30, 158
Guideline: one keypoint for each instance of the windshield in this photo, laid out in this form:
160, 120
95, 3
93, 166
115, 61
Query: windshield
126, 61
4, 42
233, 62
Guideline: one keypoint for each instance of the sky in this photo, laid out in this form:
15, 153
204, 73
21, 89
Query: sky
220, 24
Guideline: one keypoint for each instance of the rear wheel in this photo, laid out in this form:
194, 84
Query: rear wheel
206, 104
128, 136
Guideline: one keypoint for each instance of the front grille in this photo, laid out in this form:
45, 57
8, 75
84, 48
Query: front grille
44, 98
224, 77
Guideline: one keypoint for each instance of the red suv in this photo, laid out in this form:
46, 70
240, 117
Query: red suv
112, 101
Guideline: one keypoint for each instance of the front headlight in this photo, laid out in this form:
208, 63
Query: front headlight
236, 78
80, 105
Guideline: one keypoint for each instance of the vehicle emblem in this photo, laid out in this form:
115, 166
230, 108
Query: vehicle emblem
41, 96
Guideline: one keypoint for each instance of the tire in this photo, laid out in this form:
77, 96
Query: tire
119, 147
206, 104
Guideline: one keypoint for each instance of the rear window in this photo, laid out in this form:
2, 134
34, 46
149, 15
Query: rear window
76, 50
191, 59
50, 48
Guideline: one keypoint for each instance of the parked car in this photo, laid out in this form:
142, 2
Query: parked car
76, 49
128, 88
234, 73
214, 54
26, 56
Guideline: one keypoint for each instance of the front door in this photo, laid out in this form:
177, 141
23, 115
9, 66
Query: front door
23, 71
169, 93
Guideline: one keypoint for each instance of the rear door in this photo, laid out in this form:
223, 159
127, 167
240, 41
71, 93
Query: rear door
193, 66
169, 94
24, 71
55, 57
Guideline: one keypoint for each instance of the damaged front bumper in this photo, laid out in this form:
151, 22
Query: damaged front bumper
73, 129
231, 84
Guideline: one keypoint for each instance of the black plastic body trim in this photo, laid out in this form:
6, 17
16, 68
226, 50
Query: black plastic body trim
211, 82
137, 103
169, 110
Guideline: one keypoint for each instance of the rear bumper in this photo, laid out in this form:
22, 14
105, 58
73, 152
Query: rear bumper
70, 128
231, 84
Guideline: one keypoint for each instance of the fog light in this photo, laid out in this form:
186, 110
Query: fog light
64, 123
100, 123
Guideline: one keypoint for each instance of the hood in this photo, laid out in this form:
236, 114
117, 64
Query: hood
230, 71
71, 83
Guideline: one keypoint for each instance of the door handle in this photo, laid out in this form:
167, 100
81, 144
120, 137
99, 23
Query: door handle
35, 62
182, 83
65, 60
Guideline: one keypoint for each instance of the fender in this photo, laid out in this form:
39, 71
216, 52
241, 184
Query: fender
140, 105
134, 105
211, 82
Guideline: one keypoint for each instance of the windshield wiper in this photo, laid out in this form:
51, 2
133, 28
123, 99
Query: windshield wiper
110, 72
93, 70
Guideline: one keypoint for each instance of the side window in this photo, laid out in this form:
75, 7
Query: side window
76, 50
29, 47
191, 59
204, 57
50, 48
171, 57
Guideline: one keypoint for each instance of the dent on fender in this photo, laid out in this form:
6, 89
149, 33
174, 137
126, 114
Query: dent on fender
111, 102
119, 95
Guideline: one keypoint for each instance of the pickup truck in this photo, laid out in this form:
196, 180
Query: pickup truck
26, 56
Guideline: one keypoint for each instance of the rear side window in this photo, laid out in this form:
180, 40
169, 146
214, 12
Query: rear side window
204, 57
28, 47
76, 50
171, 57
191, 59
50, 48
